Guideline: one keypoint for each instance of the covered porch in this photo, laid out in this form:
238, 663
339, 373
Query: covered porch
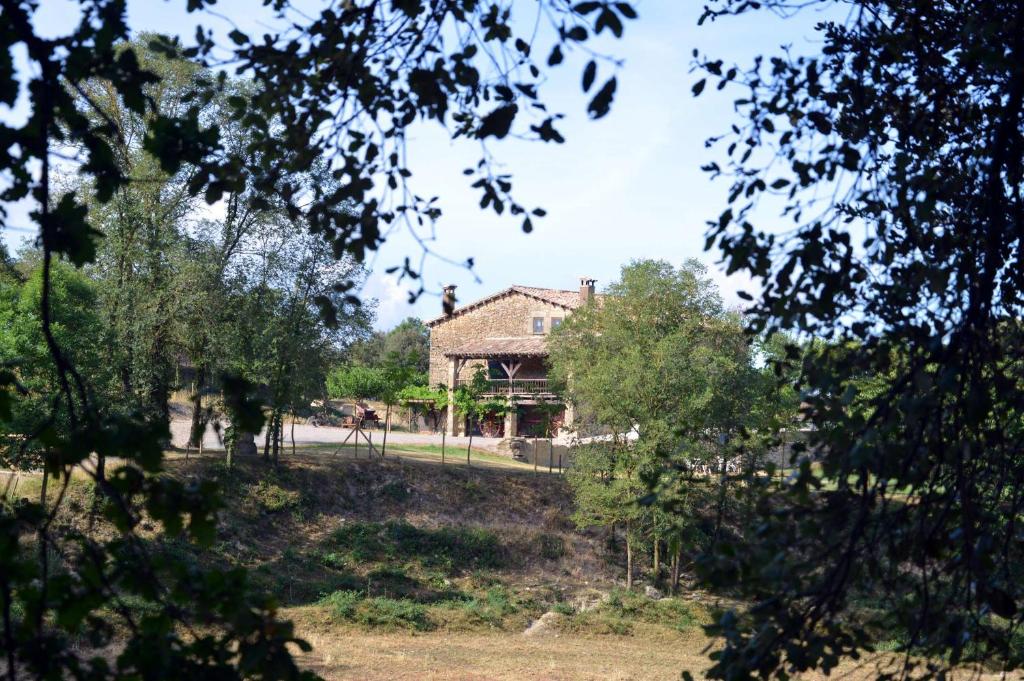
515, 368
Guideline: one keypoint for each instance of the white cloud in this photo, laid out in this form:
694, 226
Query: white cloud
392, 300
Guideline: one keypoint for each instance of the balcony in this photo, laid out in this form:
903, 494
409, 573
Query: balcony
514, 386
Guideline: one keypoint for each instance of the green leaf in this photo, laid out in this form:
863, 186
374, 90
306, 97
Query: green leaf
589, 73
498, 122
586, 7
556, 57
66, 231
601, 104
626, 10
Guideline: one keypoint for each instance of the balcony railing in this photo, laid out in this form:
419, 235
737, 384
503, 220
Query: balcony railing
515, 386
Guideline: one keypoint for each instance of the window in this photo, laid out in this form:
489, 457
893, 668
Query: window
538, 325
555, 322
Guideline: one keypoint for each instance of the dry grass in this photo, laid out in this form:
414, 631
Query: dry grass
351, 653
650, 652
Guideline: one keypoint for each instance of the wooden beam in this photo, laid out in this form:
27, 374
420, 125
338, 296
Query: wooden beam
512, 368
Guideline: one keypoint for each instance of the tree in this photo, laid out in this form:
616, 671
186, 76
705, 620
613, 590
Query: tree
671, 374
433, 400
409, 341
75, 317
471, 403
658, 359
895, 156
356, 382
343, 86
606, 482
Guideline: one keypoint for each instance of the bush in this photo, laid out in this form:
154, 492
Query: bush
552, 546
342, 604
395, 491
667, 611
453, 549
333, 560
492, 609
390, 613
273, 498
379, 612
391, 581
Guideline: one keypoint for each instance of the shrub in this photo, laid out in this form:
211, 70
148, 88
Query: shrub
390, 613
272, 498
391, 581
395, 491
496, 604
454, 549
333, 560
342, 604
670, 612
552, 546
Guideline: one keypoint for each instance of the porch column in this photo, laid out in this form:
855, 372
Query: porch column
570, 416
453, 372
511, 422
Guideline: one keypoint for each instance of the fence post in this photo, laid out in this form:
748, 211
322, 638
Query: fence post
559, 464
550, 462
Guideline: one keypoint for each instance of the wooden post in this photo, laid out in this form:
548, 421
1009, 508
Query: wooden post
387, 427
369, 446
534, 454
550, 462
443, 432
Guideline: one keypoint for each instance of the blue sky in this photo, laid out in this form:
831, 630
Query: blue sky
626, 187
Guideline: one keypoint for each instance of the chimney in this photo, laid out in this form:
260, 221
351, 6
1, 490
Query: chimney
448, 300
586, 290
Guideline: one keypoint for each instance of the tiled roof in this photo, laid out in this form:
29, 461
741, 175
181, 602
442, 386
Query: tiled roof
570, 300
517, 346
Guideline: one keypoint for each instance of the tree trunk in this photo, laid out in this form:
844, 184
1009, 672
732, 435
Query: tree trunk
657, 557
470, 445
279, 433
629, 557
387, 427
266, 439
245, 444
275, 435
293, 434
675, 569
534, 456
443, 433
195, 433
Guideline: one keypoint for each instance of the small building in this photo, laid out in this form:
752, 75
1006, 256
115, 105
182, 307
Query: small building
505, 334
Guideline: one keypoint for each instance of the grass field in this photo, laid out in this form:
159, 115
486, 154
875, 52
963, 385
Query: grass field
349, 653
402, 568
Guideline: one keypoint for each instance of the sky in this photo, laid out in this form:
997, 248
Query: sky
626, 187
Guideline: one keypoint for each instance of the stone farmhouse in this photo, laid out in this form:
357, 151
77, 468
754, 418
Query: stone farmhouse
506, 334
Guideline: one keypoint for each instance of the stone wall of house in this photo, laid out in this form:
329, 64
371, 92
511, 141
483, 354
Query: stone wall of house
510, 315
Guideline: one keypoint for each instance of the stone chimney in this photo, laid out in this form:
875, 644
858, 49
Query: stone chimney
448, 300
586, 290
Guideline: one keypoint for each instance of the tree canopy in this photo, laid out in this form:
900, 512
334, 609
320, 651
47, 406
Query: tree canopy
894, 158
334, 93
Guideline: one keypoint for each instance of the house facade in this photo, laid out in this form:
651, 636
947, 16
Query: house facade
505, 334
